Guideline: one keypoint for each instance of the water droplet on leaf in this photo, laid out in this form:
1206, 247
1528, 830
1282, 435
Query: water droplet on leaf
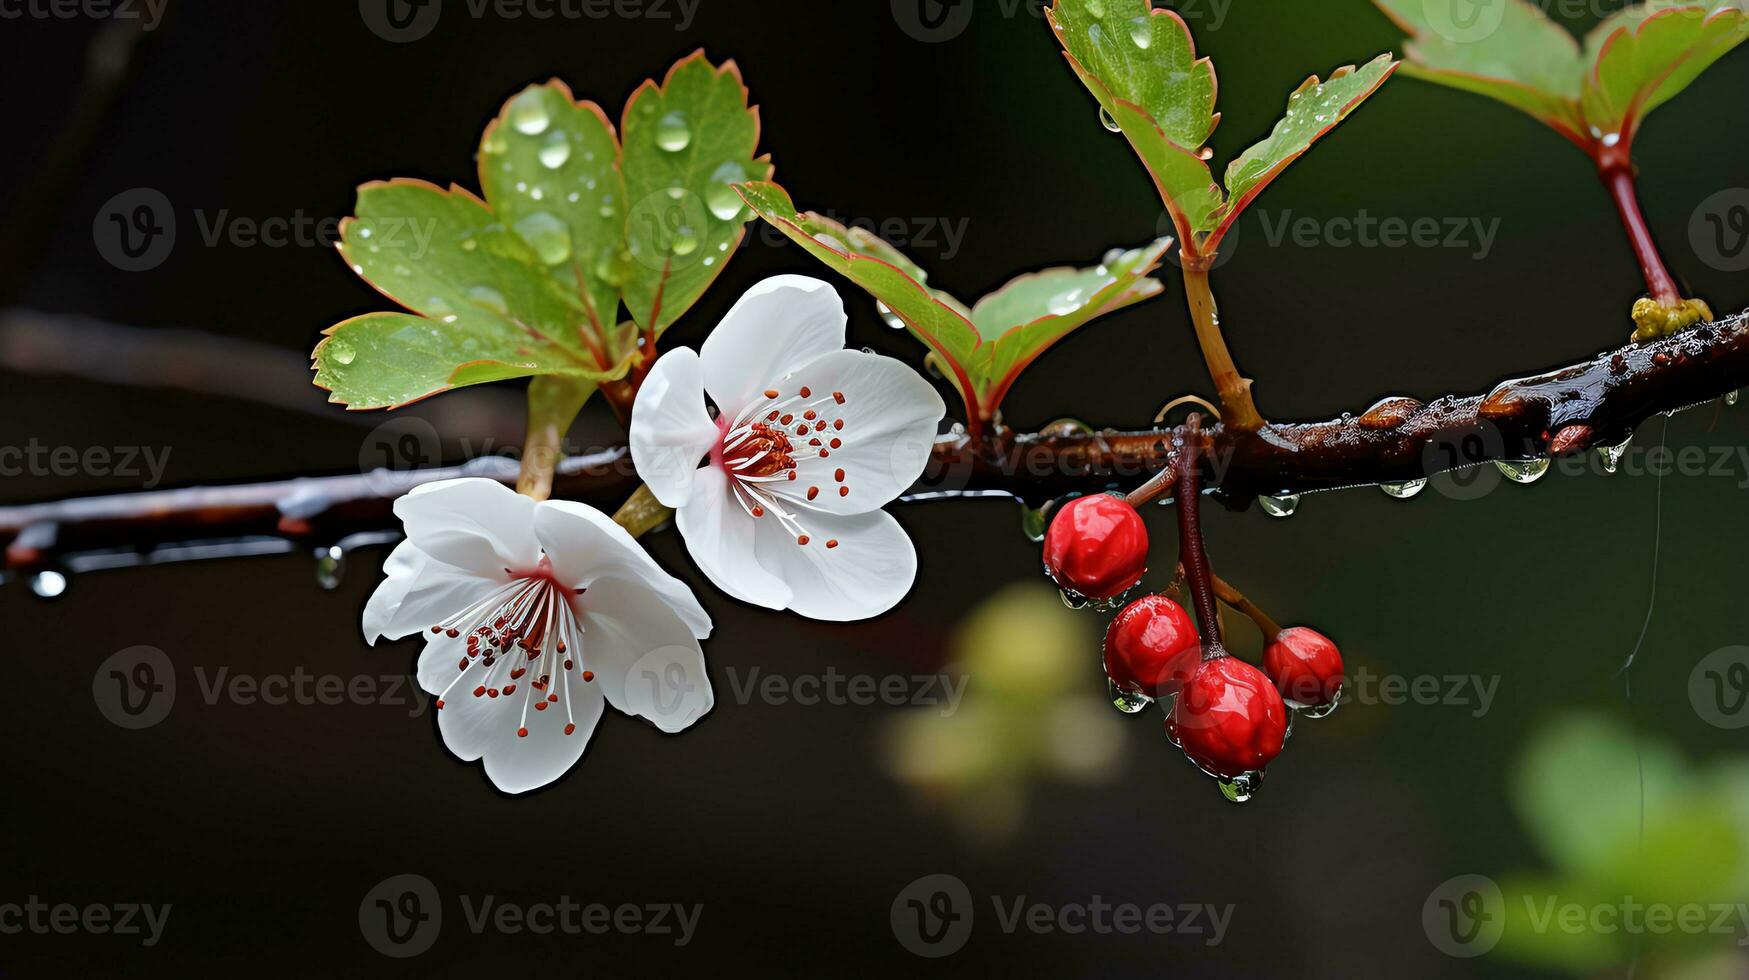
528, 113
550, 237
556, 151
672, 133
1106, 120
1142, 32
490, 298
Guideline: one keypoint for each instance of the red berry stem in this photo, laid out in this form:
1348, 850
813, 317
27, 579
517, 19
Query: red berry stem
1233, 597
1191, 552
1618, 177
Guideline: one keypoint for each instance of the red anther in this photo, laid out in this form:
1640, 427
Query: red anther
589, 675
522, 733
805, 393
802, 540
833, 543
570, 728
771, 393
838, 396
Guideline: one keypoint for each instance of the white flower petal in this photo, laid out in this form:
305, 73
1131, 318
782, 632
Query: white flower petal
516, 764
475, 727
480, 525
865, 574
645, 659
585, 544
418, 592
890, 415
671, 432
776, 327
720, 537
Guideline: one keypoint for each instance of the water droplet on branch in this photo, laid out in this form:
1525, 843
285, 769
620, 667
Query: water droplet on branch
330, 567
1523, 470
48, 584
1283, 506
1404, 490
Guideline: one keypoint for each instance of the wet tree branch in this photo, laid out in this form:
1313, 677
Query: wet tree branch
1597, 402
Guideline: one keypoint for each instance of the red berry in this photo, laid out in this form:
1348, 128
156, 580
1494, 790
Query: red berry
1228, 719
1097, 546
1151, 647
1305, 665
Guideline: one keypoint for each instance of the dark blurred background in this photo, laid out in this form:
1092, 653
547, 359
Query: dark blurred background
797, 827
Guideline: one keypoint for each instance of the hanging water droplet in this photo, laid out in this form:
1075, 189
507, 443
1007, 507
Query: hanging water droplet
1611, 455
1523, 470
1032, 523
1731, 398
556, 151
528, 113
1106, 120
330, 566
490, 298
676, 192
1128, 702
48, 584
1318, 711
1283, 506
1074, 600
1142, 32
1404, 490
550, 237
672, 133
889, 317
1240, 789
340, 351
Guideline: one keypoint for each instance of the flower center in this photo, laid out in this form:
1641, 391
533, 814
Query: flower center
777, 455
526, 627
